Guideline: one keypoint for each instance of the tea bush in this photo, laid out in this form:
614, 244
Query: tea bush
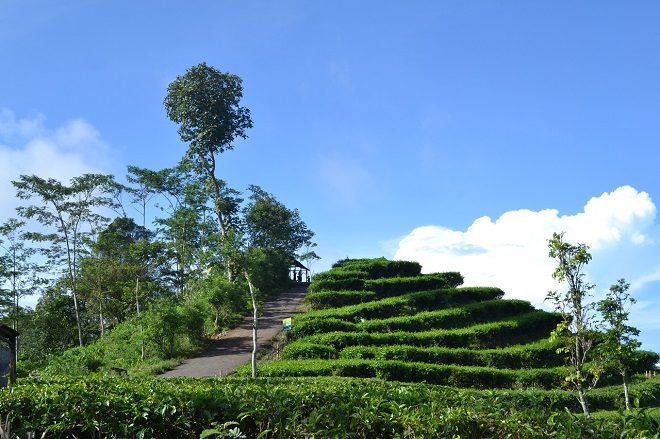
407, 304
337, 299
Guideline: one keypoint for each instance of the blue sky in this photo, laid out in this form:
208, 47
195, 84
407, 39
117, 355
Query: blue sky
459, 134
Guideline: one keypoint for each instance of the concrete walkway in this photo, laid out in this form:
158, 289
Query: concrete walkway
235, 347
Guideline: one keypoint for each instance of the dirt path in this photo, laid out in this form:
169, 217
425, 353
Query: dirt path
235, 347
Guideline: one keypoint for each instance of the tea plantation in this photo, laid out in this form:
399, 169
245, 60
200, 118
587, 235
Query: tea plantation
382, 351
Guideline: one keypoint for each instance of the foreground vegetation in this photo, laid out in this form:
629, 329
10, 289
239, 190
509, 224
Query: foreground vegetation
306, 408
383, 352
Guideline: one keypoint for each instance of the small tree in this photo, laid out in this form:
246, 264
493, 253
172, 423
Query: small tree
618, 344
575, 332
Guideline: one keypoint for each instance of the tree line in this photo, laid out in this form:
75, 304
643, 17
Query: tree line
174, 245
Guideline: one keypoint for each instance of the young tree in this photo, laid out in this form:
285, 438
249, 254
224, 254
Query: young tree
72, 215
17, 267
269, 230
575, 333
205, 104
618, 344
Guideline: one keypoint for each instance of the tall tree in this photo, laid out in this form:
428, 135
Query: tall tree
206, 104
71, 214
618, 344
575, 332
17, 266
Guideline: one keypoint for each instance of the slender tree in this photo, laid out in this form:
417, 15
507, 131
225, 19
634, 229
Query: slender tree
618, 344
270, 229
71, 214
575, 332
206, 104
17, 266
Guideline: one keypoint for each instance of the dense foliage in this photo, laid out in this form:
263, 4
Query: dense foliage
169, 257
308, 407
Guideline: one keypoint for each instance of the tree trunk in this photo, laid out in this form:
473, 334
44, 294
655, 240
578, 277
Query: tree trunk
101, 316
583, 401
137, 307
626, 392
255, 321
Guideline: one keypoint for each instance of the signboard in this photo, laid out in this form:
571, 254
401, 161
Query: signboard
5, 355
287, 323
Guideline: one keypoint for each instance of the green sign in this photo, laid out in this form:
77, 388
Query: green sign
287, 323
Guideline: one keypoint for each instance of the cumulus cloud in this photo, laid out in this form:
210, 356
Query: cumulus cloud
28, 146
511, 252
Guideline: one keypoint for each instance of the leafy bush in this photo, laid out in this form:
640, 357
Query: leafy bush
467, 315
397, 286
302, 407
320, 326
407, 304
305, 351
380, 267
533, 355
337, 299
349, 283
522, 329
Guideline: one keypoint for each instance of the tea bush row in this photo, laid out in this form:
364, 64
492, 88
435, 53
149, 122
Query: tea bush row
470, 314
407, 304
532, 355
389, 287
522, 329
337, 299
285, 408
475, 313
370, 269
440, 374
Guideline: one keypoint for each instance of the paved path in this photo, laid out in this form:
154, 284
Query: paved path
235, 347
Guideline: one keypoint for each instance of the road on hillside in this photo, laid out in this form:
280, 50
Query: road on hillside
235, 347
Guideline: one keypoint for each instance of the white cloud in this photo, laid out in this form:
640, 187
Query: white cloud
28, 146
511, 253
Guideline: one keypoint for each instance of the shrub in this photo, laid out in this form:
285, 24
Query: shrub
397, 286
338, 299
408, 304
305, 351
379, 267
319, 326
467, 315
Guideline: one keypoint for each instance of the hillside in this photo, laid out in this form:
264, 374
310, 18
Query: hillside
374, 318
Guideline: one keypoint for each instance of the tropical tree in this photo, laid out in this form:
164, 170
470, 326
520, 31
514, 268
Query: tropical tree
575, 333
206, 104
17, 267
618, 343
69, 215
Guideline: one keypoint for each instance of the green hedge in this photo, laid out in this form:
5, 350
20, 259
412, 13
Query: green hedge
407, 304
379, 267
308, 351
397, 286
348, 283
340, 274
337, 299
319, 326
404, 371
532, 355
471, 314
389, 286
521, 329
307, 407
